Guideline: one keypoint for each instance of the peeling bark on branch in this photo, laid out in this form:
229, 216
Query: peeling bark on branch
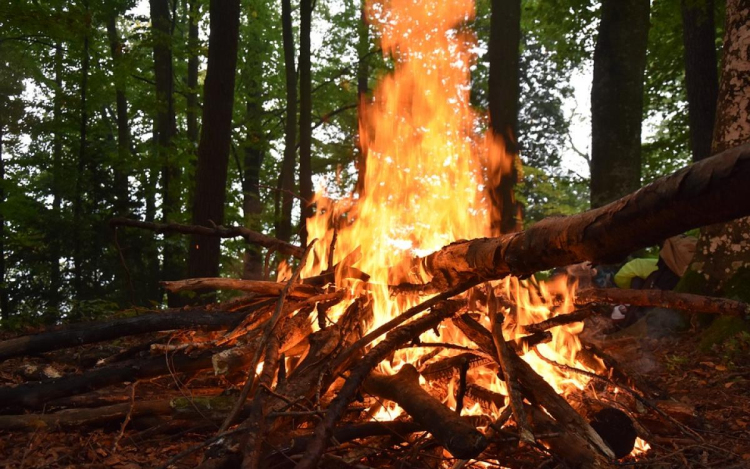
713, 190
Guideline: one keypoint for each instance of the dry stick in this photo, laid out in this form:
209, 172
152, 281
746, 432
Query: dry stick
664, 299
254, 286
509, 370
359, 373
219, 231
270, 326
408, 314
497, 425
632, 392
127, 417
461, 387
560, 320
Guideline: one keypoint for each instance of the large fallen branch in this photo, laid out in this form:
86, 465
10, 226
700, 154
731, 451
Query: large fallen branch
260, 287
88, 333
222, 232
664, 299
713, 190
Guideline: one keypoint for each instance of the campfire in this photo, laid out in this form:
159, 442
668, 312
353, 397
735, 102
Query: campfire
392, 341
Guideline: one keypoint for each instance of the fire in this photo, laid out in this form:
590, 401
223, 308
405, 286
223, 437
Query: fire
424, 187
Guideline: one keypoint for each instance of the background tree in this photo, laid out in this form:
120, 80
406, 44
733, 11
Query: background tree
617, 99
721, 265
504, 88
701, 75
286, 177
213, 150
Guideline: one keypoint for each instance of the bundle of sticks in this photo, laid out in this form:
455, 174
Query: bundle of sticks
301, 396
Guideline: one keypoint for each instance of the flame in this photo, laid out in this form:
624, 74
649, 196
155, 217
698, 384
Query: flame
425, 186
641, 446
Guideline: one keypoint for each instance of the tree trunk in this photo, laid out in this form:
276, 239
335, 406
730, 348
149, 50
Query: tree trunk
504, 88
4, 303
284, 223
165, 131
305, 117
617, 99
701, 75
363, 75
721, 266
213, 150
55, 278
251, 204
123, 162
81, 180
192, 71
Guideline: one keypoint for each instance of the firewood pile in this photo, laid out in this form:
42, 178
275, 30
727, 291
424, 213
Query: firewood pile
477, 368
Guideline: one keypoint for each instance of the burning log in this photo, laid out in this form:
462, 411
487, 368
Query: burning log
710, 191
664, 299
458, 436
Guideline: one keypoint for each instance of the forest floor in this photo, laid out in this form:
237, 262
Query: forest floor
713, 386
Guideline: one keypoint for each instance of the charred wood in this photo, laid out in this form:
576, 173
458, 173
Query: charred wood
459, 437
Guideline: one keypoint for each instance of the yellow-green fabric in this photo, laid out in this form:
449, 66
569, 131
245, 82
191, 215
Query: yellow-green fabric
641, 268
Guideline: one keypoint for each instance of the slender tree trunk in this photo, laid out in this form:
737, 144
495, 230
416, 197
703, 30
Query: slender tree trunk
363, 75
4, 303
721, 265
55, 278
165, 131
286, 180
123, 126
617, 99
254, 154
79, 282
213, 150
305, 117
192, 72
504, 88
701, 75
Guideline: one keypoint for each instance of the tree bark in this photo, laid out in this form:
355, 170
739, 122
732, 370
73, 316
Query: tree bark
305, 117
504, 88
363, 75
55, 284
192, 71
5, 312
165, 130
714, 190
286, 182
123, 126
701, 74
213, 150
617, 99
721, 265
79, 282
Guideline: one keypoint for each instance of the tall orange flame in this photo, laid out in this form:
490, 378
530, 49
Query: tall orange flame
424, 187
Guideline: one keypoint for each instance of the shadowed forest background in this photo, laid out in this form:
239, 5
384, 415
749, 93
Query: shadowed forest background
233, 113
